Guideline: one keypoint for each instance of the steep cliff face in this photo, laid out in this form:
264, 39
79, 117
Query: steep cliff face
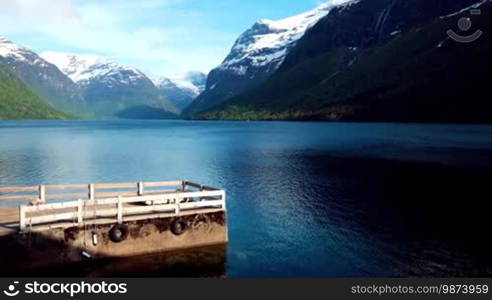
42, 77
257, 53
367, 23
381, 60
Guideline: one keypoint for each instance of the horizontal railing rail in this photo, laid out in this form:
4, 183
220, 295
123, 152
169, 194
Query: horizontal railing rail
88, 212
44, 193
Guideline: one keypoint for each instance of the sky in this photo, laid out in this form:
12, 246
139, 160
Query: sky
160, 37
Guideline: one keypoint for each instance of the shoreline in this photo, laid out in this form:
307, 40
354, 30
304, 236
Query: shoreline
257, 121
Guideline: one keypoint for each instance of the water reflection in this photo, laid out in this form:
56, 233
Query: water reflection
201, 262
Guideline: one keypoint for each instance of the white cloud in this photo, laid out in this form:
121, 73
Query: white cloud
40, 11
120, 30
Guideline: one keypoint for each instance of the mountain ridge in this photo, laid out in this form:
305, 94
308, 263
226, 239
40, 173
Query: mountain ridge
255, 55
42, 77
381, 60
112, 89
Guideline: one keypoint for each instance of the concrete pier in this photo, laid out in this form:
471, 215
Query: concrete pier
41, 234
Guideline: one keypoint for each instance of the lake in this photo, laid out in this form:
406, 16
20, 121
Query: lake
304, 199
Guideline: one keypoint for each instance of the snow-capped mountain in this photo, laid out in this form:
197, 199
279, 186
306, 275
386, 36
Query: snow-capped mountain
194, 82
83, 69
112, 89
267, 42
256, 54
181, 91
197, 79
9, 50
41, 77
384, 60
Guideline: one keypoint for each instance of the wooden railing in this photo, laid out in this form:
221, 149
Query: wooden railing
44, 193
99, 206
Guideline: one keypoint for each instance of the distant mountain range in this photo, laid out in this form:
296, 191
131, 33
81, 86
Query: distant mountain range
111, 89
88, 86
373, 60
346, 60
182, 91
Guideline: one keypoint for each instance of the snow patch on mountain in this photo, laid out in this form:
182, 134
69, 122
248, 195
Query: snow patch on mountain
181, 91
193, 82
185, 84
268, 42
474, 6
10, 50
84, 68
343, 4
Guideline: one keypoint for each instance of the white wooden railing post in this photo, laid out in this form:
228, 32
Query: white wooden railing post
140, 188
22, 217
92, 195
120, 210
80, 212
223, 195
177, 209
42, 194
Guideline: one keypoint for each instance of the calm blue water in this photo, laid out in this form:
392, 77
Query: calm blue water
304, 199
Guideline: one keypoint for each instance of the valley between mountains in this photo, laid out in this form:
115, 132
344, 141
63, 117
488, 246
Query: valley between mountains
356, 60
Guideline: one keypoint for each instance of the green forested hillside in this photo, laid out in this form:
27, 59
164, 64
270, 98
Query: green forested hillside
18, 102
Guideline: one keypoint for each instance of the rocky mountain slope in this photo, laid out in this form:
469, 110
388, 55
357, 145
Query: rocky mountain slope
379, 60
111, 89
256, 54
41, 77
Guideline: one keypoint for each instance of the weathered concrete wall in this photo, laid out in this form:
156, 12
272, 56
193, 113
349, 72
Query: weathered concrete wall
60, 246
